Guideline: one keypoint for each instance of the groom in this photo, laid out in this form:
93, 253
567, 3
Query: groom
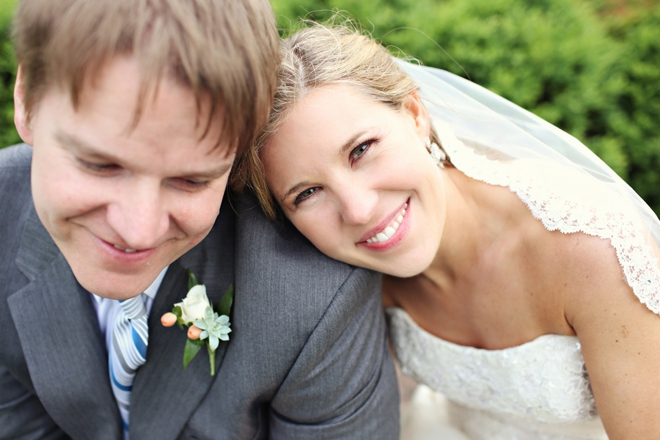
134, 111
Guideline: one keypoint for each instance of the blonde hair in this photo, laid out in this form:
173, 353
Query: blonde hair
226, 50
313, 57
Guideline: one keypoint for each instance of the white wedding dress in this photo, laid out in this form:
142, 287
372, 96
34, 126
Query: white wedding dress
540, 389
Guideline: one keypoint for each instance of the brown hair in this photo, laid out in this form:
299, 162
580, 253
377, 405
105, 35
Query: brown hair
226, 50
313, 57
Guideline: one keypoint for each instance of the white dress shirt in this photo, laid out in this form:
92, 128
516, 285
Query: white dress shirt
106, 309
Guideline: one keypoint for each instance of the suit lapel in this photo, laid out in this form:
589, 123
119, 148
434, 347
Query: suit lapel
164, 395
65, 351
61, 340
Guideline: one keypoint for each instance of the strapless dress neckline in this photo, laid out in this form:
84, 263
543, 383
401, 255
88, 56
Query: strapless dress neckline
536, 390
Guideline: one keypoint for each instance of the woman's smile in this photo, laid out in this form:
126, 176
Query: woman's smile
390, 232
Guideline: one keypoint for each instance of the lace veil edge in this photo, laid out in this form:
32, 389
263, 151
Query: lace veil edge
500, 128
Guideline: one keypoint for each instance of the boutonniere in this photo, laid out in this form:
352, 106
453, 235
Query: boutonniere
205, 325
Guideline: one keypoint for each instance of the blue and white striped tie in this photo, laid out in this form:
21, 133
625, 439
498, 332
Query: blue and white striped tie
128, 351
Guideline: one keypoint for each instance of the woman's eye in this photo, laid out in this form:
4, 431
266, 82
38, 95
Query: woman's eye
359, 151
305, 195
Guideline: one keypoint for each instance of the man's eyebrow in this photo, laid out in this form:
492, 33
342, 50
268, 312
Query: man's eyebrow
214, 173
342, 151
80, 146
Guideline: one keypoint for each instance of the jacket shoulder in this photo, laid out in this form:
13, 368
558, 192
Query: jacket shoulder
282, 257
15, 192
286, 276
16, 156
314, 330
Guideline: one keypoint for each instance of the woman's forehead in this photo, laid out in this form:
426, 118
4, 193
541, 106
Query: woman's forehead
332, 109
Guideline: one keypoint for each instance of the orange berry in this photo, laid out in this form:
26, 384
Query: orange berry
194, 332
168, 319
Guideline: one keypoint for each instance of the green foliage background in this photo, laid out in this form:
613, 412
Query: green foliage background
591, 67
8, 135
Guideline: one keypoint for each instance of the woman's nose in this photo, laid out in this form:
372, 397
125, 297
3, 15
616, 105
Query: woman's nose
358, 206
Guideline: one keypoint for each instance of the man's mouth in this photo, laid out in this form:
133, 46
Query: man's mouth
389, 230
128, 251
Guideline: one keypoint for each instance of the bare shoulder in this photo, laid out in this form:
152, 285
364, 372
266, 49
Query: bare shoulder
618, 335
588, 258
594, 275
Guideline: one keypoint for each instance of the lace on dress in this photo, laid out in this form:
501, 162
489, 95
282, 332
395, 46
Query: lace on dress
538, 390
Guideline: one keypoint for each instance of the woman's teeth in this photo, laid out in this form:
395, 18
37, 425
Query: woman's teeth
390, 229
128, 251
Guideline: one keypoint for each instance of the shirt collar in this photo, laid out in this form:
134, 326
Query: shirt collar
150, 291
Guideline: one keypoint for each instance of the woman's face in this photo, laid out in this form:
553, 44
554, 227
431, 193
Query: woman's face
354, 177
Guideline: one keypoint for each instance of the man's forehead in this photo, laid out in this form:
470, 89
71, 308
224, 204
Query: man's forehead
124, 77
122, 81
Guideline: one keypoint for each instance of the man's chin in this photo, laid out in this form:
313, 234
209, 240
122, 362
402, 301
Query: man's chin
115, 286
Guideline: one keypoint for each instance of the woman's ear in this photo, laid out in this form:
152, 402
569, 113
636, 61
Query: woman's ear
21, 119
413, 104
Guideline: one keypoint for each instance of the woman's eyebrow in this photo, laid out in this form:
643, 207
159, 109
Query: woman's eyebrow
297, 187
349, 143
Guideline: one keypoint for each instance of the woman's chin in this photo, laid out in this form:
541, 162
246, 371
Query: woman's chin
406, 272
401, 264
406, 269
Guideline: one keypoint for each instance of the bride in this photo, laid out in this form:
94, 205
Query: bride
521, 274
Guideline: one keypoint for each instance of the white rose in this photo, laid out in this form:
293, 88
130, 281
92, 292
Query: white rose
194, 304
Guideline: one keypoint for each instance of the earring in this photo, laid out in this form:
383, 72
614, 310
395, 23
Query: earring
437, 154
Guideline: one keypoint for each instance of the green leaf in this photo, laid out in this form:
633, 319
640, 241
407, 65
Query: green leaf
192, 279
190, 351
178, 313
224, 306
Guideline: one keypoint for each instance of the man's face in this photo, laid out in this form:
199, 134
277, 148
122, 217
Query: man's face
122, 203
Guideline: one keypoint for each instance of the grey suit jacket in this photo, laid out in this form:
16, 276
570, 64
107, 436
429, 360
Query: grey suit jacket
307, 357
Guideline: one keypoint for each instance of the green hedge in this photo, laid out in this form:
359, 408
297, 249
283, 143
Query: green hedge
8, 135
640, 102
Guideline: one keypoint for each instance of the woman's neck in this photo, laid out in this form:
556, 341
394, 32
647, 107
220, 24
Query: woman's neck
479, 217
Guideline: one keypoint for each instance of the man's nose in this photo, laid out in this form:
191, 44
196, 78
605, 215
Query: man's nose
139, 215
